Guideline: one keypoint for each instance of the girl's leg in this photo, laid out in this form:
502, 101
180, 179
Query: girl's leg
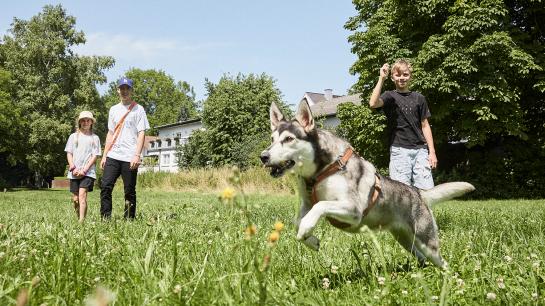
75, 203
82, 204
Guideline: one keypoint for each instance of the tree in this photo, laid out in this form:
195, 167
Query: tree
479, 63
165, 100
236, 119
50, 83
364, 129
12, 150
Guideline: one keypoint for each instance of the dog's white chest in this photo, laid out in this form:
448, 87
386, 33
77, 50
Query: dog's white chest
332, 188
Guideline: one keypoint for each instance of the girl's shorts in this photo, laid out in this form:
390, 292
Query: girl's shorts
85, 182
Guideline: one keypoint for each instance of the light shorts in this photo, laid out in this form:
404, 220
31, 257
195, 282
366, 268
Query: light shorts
411, 167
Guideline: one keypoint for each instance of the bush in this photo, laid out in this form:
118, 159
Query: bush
502, 170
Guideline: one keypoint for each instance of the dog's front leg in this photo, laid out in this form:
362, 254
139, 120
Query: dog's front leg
344, 211
310, 241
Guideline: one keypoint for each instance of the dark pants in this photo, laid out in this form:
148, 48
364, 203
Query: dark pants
112, 170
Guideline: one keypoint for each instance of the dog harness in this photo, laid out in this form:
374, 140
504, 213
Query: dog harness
340, 164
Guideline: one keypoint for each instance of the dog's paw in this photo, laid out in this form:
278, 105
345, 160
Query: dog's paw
312, 242
305, 230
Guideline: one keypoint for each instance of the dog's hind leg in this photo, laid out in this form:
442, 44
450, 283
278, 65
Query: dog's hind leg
407, 241
427, 242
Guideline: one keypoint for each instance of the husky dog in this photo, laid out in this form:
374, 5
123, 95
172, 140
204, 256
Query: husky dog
346, 189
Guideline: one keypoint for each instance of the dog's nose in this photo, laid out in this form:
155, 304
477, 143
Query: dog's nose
265, 157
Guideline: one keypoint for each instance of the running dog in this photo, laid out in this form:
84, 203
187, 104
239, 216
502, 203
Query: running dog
335, 183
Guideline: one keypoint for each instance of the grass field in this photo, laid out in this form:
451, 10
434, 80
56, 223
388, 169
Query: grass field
189, 248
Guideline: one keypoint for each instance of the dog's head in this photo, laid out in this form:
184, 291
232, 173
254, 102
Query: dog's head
291, 145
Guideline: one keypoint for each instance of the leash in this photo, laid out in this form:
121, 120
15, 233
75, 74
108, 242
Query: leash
340, 164
117, 130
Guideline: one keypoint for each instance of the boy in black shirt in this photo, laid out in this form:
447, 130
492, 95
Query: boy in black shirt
412, 153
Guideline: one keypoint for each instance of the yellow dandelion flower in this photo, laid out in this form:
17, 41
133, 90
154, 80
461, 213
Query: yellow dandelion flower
274, 236
250, 231
228, 194
279, 226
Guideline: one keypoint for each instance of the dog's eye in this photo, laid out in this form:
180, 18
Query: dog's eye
288, 139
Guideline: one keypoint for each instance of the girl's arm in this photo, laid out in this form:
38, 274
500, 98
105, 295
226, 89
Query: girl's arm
70, 159
91, 162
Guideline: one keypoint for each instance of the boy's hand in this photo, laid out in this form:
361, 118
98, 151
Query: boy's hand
384, 71
102, 163
135, 162
433, 160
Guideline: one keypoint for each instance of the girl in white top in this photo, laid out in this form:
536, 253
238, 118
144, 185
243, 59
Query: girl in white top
82, 149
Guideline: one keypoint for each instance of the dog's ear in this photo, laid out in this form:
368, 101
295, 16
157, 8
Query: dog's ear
304, 116
276, 116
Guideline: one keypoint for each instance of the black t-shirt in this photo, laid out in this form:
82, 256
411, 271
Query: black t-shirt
405, 126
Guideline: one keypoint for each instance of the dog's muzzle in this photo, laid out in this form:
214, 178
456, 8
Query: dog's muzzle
278, 169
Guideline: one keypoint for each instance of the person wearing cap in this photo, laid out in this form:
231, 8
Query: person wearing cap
127, 123
82, 149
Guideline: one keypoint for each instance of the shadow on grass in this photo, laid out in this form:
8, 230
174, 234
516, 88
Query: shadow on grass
19, 189
364, 273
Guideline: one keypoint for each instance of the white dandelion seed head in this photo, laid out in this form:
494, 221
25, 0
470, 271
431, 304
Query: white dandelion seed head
491, 296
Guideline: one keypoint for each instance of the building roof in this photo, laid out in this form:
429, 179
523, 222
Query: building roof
179, 123
329, 108
316, 97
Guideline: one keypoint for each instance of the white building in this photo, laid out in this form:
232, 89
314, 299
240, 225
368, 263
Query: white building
324, 106
160, 151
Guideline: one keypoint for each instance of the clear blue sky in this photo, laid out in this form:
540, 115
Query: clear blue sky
300, 43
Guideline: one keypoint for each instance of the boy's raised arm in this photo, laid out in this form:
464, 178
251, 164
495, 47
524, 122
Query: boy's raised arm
375, 101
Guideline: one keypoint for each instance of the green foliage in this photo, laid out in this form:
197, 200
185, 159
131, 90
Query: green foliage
11, 121
50, 84
479, 63
196, 153
236, 118
165, 100
364, 129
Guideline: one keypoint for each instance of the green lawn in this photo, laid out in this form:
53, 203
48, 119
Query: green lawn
188, 248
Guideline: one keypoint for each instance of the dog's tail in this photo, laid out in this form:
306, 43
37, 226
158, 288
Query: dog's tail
445, 192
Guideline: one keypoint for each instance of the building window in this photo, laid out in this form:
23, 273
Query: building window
168, 143
166, 159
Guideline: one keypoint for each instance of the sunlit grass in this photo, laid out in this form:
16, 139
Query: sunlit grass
254, 180
189, 248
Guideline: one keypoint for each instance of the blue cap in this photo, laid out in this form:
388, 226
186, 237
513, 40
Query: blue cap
124, 81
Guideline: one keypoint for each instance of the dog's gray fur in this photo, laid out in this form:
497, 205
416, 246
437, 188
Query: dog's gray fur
403, 210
